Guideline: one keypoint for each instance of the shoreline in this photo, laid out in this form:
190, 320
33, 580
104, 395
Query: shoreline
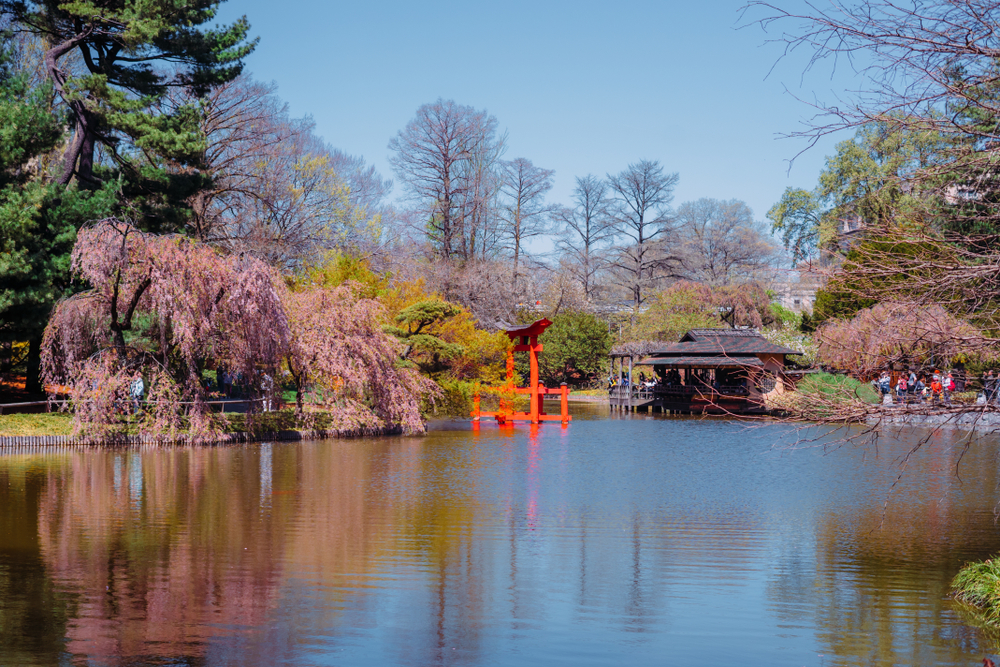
965, 416
15, 443
578, 399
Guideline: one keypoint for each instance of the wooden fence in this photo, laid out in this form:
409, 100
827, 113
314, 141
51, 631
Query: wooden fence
222, 404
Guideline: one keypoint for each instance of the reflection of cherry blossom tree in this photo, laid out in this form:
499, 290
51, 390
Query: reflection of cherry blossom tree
338, 342
193, 304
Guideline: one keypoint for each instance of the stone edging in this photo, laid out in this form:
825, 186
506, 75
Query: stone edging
975, 417
10, 443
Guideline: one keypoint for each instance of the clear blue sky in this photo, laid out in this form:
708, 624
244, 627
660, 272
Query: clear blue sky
581, 87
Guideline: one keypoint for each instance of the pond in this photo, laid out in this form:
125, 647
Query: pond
616, 541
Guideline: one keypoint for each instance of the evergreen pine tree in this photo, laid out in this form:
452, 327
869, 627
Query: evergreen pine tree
113, 64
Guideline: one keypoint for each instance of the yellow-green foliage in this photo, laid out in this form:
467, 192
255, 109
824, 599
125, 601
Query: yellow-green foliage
672, 312
794, 340
484, 353
46, 423
978, 584
484, 356
336, 268
688, 305
456, 399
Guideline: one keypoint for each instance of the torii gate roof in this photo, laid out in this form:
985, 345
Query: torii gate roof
534, 329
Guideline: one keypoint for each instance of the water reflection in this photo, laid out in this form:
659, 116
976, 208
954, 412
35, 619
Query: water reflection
632, 541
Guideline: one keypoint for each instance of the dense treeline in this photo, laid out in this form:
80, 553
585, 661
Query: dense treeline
139, 122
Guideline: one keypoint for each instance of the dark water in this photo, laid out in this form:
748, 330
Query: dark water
615, 542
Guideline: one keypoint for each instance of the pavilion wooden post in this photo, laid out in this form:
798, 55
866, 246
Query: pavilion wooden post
621, 383
630, 384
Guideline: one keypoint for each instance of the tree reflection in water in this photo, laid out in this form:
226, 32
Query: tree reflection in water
625, 540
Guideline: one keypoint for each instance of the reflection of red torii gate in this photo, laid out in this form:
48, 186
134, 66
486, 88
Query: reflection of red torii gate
536, 390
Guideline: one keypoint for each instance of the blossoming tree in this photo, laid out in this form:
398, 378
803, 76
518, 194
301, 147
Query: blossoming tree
166, 305
338, 342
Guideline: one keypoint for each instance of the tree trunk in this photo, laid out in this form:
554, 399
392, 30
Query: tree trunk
33, 381
85, 166
6, 356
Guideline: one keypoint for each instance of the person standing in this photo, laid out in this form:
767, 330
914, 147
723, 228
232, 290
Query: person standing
137, 390
989, 386
267, 389
885, 383
901, 388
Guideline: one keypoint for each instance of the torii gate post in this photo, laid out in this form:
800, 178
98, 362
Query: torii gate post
528, 336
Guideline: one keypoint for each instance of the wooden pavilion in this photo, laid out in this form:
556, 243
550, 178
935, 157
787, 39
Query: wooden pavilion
709, 371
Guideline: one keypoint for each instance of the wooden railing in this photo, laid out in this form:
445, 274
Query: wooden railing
637, 393
673, 391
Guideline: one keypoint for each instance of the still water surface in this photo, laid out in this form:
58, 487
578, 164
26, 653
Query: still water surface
642, 541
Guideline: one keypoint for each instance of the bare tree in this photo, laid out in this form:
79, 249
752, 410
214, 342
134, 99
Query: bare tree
721, 243
489, 289
369, 190
642, 194
929, 68
444, 157
479, 203
301, 208
276, 189
524, 209
241, 121
586, 230
559, 289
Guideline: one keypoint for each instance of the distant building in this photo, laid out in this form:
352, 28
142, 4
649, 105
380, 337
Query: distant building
798, 291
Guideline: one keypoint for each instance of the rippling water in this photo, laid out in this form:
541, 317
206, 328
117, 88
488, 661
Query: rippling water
642, 541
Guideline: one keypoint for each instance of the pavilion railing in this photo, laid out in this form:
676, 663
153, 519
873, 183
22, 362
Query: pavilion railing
675, 392
637, 393
692, 390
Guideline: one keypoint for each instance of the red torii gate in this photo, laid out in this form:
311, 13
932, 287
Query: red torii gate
536, 390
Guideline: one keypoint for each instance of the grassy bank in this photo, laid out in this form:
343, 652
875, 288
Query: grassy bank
45, 423
838, 388
61, 423
978, 584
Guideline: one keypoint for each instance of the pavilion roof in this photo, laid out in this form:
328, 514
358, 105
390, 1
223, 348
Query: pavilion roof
721, 342
703, 362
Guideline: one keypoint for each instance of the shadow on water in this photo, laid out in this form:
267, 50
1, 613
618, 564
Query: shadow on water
626, 539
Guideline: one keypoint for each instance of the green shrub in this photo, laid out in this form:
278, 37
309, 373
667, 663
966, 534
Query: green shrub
838, 386
456, 399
